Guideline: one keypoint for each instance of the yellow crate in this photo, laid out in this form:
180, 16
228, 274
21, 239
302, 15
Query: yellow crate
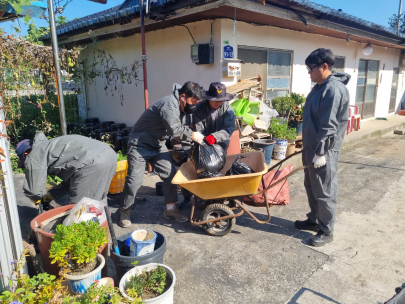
118, 181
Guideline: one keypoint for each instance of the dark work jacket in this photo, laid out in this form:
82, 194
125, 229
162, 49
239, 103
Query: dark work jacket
163, 118
325, 116
223, 126
61, 156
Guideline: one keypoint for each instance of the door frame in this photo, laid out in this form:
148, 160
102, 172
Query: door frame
365, 86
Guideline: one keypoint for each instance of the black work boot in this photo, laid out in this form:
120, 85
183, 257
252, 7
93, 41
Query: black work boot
320, 239
306, 225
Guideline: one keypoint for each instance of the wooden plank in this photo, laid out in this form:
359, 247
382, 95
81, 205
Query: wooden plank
46, 222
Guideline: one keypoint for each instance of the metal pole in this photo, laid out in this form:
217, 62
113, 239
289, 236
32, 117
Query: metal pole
144, 57
399, 14
59, 88
145, 71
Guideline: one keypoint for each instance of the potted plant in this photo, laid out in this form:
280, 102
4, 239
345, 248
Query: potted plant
283, 105
150, 283
99, 293
281, 132
297, 110
75, 249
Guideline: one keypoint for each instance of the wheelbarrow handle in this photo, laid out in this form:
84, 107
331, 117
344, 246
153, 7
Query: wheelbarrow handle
281, 179
285, 159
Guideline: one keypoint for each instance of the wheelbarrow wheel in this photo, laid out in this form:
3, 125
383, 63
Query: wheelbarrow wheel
221, 227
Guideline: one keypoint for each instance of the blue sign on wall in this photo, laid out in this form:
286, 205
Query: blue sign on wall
228, 51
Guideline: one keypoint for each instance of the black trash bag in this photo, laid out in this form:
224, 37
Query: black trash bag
179, 157
239, 168
207, 174
208, 158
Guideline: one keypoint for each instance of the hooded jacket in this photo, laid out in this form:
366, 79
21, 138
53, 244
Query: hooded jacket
325, 116
61, 156
163, 118
223, 126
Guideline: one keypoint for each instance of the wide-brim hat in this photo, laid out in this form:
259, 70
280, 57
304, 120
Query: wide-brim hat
23, 146
217, 92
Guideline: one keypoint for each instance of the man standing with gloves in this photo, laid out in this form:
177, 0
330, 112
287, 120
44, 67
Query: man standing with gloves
147, 142
324, 124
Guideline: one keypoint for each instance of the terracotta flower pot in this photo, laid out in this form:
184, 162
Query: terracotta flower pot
45, 239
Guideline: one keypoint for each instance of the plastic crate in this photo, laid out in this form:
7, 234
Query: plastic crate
118, 181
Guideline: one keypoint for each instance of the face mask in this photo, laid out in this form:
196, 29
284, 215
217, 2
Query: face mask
189, 108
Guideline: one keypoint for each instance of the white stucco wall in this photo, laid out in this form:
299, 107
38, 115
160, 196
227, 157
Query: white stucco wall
169, 62
168, 52
302, 44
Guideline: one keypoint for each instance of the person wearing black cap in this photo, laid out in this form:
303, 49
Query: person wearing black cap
214, 117
85, 165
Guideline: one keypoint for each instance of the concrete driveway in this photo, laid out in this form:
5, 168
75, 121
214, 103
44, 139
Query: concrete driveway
271, 263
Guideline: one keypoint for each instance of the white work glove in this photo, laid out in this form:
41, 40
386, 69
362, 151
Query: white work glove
319, 161
197, 137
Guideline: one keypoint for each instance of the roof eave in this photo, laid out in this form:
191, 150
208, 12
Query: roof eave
247, 11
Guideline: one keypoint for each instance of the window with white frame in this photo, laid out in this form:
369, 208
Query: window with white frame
279, 70
275, 66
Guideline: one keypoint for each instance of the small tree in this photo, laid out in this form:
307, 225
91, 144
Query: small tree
393, 22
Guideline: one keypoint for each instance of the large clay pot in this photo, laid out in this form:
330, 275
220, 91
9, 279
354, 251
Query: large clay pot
115, 140
117, 127
234, 144
45, 239
107, 124
127, 131
91, 121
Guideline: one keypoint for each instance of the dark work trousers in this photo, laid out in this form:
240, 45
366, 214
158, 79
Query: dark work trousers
162, 164
321, 185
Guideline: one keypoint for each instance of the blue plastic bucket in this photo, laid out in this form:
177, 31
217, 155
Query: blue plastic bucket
267, 146
142, 242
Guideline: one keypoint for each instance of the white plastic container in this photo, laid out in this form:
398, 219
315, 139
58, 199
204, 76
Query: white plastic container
165, 298
80, 283
142, 242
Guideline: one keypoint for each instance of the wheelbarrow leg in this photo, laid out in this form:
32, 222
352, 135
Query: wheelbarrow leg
240, 204
192, 210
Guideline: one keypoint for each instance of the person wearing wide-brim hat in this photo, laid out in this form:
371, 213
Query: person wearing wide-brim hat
215, 119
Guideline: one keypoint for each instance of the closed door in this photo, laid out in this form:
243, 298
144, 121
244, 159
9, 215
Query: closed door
367, 87
394, 86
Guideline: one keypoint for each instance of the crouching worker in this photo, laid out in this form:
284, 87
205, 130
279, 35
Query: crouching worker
147, 142
85, 165
215, 119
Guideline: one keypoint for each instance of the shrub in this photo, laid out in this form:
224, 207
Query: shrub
77, 245
279, 129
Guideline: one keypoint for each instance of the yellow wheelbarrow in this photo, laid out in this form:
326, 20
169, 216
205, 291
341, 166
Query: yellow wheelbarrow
221, 196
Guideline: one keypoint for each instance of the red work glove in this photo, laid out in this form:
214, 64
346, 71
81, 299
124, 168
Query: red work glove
210, 140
